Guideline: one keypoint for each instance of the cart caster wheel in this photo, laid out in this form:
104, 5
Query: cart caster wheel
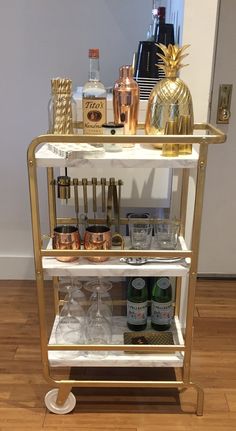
50, 401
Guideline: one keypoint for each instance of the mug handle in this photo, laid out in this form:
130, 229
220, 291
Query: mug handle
119, 240
44, 237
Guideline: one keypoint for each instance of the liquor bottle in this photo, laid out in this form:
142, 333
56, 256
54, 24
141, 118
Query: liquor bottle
137, 304
94, 102
160, 28
152, 26
161, 308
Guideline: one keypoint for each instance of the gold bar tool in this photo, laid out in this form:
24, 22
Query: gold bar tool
76, 198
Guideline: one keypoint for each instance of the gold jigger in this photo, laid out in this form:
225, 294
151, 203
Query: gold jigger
171, 150
63, 187
185, 128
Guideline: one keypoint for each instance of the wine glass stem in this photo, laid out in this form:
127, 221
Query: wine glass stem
98, 303
69, 299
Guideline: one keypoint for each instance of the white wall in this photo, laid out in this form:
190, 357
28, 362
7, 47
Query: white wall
218, 245
199, 31
44, 39
40, 40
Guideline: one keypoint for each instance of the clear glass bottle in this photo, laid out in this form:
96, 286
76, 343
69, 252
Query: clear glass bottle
137, 303
94, 98
126, 101
161, 306
159, 23
152, 26
61, 107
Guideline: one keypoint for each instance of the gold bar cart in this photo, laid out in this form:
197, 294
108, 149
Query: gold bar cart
60, 399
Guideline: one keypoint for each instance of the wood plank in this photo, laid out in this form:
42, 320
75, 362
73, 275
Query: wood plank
216, 310
29, 428
231, 400
22, 386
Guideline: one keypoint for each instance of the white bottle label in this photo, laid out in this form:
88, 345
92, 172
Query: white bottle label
94, 115
137, 313
161, 312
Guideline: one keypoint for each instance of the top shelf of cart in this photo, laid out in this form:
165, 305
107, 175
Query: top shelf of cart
143, 154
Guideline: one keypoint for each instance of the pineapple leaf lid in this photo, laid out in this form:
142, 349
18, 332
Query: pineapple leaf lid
172, 57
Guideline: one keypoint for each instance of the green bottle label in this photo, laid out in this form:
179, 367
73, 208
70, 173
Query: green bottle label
137, 313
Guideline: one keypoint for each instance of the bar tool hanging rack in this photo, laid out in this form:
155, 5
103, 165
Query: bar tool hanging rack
106, 199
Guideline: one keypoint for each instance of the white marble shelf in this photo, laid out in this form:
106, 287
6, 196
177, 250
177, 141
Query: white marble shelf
137, 157
117, 358
114, 268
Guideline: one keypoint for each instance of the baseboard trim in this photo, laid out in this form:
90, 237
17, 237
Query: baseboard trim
217, 276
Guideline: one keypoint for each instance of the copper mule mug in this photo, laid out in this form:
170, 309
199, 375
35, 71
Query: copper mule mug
66, 237
99, 238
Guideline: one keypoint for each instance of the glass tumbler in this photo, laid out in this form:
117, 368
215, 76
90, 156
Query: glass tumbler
166, 234
140, 231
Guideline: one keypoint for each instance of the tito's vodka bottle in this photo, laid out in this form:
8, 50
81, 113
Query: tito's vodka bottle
94, 98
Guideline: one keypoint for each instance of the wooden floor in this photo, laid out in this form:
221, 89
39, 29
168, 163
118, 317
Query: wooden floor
22, 387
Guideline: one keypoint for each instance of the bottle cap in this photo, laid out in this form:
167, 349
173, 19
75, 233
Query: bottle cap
163, 282
126, 71
162, 13
94, 53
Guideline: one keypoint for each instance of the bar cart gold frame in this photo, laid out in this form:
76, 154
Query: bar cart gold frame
62, 393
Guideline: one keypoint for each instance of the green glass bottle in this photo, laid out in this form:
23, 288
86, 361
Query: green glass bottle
137, 303
161, 308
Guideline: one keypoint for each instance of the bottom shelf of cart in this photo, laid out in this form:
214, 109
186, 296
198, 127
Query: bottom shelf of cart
63, 358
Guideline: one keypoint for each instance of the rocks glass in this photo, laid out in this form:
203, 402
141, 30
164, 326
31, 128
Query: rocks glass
140, 231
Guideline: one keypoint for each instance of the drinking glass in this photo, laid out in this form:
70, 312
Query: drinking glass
166, 234
99, 318
71, 325
140, 231
99, 289
106, 303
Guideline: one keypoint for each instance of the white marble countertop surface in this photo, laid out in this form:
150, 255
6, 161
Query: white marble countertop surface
118, 358
113, 267
138, 156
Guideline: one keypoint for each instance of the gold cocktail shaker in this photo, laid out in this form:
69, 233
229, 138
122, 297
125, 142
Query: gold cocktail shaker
126, 101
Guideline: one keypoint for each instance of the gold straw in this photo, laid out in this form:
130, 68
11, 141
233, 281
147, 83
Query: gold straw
61, 90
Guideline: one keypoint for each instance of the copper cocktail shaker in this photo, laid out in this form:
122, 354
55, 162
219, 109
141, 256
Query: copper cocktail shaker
126, 101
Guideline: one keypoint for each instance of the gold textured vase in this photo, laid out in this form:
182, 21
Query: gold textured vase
170, 99
62, 107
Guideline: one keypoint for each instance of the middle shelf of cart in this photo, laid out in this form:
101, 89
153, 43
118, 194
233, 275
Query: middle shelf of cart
115, 268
